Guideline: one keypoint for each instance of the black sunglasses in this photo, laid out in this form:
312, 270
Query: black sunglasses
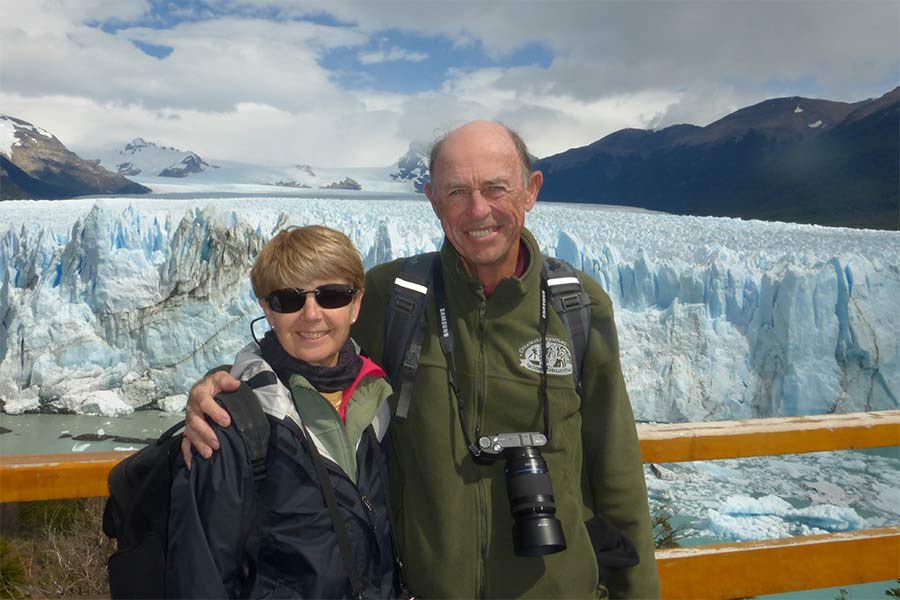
331, 295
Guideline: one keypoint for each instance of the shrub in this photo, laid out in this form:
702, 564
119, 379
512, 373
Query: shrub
61, 548
12, 571
664, 534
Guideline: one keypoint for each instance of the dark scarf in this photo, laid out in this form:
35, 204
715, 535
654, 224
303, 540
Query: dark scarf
324, 379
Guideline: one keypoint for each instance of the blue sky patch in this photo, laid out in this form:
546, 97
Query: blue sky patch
154, 50
421, 63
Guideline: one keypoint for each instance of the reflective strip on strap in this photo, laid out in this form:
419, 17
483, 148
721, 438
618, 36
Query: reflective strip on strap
562, 281
411, 286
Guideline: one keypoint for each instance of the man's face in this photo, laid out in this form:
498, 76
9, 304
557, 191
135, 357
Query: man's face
479, 195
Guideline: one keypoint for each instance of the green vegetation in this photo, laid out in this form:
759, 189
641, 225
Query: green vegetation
53, 549
12, 571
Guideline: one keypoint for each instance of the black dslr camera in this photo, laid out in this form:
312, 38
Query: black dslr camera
536, 530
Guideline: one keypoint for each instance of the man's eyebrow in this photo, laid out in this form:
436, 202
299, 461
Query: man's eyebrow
457, 184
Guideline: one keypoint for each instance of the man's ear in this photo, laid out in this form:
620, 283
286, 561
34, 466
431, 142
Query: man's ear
429, 193
535, 181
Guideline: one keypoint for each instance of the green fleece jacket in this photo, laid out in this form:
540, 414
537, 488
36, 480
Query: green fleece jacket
452, 516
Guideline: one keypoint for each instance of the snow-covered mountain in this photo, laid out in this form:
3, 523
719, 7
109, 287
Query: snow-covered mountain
245, 178
35, 164
140, 157
169, 170
413, 166
115, 305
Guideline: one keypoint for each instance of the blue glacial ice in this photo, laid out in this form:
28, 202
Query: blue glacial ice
717, 318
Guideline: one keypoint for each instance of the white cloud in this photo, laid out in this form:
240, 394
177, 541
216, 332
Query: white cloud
239, 83
254, 133
213, 66
391, 55
549, 122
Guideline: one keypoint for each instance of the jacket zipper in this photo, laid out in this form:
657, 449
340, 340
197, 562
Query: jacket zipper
364, 498
482, 499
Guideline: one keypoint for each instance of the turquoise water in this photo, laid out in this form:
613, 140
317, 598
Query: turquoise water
866, 591
42, 434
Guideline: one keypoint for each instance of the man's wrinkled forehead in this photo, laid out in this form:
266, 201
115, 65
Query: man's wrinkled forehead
481, 165
470, 140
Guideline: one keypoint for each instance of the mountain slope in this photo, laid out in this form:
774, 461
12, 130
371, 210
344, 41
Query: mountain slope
37, 165
788, 159
140, 157
413, 166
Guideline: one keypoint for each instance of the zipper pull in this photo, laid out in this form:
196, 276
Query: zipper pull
367, 503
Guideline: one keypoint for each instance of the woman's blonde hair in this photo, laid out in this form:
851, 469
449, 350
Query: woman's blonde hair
299, 255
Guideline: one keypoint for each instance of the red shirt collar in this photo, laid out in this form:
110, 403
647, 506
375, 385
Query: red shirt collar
521, 264
368, 369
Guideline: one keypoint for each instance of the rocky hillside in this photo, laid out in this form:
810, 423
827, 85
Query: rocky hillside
35, 164
788, 159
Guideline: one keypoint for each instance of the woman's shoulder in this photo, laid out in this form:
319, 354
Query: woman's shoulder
273, 396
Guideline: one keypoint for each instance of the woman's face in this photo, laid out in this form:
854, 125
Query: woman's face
314, 334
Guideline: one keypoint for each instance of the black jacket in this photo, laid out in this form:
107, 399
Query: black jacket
213, 506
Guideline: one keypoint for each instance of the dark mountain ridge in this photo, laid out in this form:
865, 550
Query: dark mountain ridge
788, 159
38, 165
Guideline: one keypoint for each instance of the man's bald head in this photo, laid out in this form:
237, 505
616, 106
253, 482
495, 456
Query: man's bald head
518, 143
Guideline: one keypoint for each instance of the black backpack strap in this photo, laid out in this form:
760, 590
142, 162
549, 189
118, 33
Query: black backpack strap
248, 417
404, 327
381, 463
573, 306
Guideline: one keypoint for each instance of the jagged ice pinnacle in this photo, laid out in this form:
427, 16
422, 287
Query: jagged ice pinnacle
128, 303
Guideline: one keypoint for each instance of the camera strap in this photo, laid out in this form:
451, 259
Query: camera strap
446, 341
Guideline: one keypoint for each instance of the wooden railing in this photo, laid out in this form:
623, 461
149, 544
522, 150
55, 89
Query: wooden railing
734, 570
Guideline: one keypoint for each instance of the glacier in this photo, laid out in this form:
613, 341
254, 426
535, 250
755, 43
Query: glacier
116, 303
777, 496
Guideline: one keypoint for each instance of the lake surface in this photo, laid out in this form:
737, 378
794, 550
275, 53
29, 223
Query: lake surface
43, 434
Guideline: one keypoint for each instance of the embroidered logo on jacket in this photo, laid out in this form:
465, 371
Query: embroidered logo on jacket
559, 357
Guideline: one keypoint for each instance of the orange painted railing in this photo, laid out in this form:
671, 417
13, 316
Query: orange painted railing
744, 569
734, 570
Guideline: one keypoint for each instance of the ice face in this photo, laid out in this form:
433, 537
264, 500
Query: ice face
717, 318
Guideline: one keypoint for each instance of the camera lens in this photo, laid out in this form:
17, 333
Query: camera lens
536, 530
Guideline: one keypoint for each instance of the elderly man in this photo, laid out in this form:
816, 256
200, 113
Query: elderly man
452, 512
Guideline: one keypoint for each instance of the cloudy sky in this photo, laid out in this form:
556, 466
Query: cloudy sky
352, 82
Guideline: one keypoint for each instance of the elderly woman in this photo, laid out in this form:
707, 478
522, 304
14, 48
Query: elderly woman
324, 402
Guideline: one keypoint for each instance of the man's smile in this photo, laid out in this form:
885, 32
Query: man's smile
483, 232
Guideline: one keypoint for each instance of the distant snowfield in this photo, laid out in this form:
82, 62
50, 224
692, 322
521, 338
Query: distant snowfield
257, 179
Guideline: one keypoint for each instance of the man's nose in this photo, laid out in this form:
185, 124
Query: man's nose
479, 206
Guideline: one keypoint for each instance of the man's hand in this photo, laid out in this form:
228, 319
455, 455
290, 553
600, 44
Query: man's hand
202, 402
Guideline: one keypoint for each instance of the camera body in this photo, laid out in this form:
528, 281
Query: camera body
536, 530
